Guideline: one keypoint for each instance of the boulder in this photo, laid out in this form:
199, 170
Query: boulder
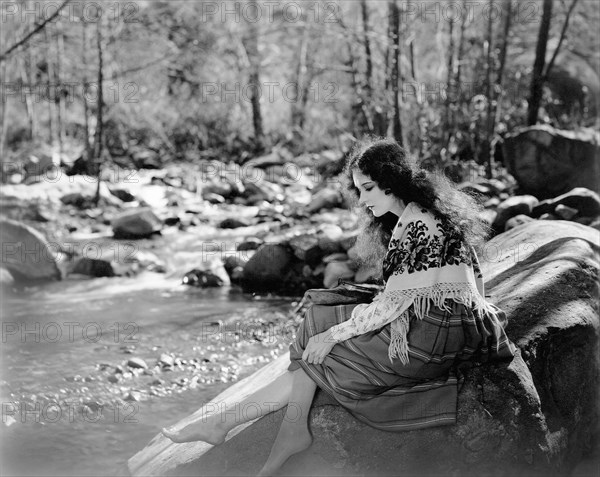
26, 254
267, 267
585, 201
134, 224
93, 267
534, 416
233, 223
511, 207
547, 162
306, 248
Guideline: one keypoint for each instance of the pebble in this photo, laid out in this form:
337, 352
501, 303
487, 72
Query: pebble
137, 363
166, 360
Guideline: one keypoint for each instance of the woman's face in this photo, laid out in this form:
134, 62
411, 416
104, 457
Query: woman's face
374, 198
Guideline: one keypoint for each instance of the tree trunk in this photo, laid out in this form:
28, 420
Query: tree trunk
86, 109
394, 19
59, 101
367, 100
49, 102
251, 46
367, 46
449, 85
298, 101
489, 93
29, 102
98, 141
3, 114
461, 45
537, 80
502, 61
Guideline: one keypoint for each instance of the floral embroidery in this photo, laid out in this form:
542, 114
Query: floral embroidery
422, 250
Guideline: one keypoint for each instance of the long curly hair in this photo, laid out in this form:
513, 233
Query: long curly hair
384, 161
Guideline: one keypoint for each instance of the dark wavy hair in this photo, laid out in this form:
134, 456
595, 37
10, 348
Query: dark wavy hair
384, 161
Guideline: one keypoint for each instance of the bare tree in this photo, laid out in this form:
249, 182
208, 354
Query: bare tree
489, 92
537, 79
99, 139
33, 32
394, 19
250, 44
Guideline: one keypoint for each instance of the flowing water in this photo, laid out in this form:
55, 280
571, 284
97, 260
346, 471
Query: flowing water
71, 405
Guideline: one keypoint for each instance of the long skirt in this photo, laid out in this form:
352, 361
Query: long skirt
393, 396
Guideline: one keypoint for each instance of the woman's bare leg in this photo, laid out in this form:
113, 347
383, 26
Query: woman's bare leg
214, 428
293, 436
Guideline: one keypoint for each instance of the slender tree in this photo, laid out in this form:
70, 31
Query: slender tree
250, 44
489, 92
394, 18
99, 139
537, 78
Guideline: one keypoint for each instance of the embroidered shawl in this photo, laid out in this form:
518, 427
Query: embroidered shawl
425, 263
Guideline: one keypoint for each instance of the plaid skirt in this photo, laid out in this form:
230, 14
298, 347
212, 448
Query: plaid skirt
392, 396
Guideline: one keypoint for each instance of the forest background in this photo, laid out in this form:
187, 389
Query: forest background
190, 80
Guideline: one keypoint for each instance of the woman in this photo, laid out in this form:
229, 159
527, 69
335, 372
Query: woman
392, 363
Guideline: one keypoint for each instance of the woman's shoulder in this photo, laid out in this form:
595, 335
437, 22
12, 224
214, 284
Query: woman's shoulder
416, 212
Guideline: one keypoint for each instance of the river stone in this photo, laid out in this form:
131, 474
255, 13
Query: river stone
93, 267
534, 416
26, 254
138, 223
547, 161
517, 205
138, 363
267, 267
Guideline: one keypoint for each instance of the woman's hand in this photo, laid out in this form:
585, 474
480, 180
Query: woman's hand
318, 347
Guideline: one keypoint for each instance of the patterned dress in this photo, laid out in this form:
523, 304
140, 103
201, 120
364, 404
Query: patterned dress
395, 361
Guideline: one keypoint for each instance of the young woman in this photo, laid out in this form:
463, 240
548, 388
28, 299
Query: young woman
392, 363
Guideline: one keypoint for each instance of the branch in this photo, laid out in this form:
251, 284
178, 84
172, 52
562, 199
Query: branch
560, 41
27, 37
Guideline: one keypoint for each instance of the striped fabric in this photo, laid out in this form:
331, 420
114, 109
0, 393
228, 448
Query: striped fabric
398, 397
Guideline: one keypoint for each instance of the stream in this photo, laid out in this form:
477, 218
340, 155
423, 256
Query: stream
93, 368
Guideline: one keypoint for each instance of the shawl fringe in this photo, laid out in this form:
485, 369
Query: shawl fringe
422, 298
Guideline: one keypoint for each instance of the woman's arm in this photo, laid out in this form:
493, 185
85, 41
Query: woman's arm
384, 309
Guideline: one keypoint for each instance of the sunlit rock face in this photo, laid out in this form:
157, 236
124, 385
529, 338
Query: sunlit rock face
547, 162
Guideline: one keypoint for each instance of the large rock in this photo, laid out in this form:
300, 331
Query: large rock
134, 224
585, 201
26, 254
547, 162
536, 415
267, 267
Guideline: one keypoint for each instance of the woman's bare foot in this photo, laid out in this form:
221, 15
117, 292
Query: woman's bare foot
201, 431
290, 440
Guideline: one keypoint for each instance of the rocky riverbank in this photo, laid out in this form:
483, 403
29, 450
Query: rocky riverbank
275, 224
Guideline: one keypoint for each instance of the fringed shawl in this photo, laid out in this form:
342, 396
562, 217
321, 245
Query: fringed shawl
426, 263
